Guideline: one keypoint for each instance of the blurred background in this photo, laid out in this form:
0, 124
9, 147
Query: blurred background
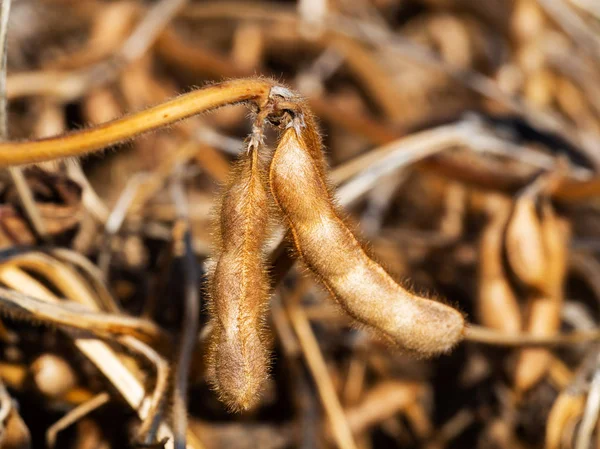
463, 138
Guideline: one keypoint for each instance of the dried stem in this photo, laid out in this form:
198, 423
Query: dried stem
340, 428
124, 380
74, 316
189, 331
92, 139
478, 334
147, 31
150, 424
75, 415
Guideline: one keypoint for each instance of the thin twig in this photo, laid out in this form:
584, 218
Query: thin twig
310, 81
157, 179
391, 157
75, 415
417, 146
116, 218
340, 428
106, 301
27, 200
189, 332
95, 206
149, 28
479, 334
75, 316
150, 424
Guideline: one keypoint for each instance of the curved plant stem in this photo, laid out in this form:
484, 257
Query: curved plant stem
99, 137
149, 427
75, 415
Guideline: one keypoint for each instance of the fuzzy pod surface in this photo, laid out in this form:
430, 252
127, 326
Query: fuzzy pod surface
334, 255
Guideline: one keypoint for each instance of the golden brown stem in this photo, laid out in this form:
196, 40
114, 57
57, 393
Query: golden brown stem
99, 137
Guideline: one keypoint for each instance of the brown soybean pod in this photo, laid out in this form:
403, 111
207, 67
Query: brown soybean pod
238, 354
332, 253
498, 306
524, 244
545, 309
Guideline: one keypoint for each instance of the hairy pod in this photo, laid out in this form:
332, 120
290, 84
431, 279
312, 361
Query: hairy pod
238, 354
333, 254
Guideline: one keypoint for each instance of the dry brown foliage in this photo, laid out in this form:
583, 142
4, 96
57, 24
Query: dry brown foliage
396, 249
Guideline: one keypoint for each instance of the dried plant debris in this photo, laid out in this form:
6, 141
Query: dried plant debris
366, 224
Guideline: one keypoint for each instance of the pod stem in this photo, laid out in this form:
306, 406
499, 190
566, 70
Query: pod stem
92, 139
